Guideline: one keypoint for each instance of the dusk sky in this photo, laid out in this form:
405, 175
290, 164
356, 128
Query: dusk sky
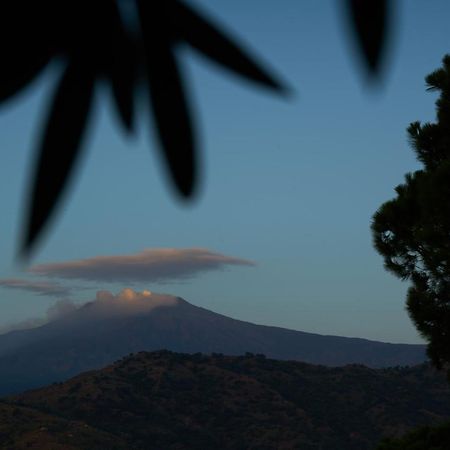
280, 231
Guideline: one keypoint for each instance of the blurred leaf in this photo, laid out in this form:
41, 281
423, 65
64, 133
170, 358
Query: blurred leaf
60, 146
122, 66
122, 78
209, 40
168, 99
97, 44
21, 71
24, 46
369, 19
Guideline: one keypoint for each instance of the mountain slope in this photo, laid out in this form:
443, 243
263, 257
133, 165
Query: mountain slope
25, 428
165, 400
102, 331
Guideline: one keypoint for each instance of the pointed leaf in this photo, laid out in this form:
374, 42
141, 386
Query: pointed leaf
59, 148
168, 101
369, 19
173, 122
122, 65
24, 45
17, 73
123, 81
209, 40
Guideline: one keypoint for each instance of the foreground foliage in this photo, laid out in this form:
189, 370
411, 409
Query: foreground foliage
412, 231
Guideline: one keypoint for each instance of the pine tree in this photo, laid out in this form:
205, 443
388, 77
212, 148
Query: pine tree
412, 231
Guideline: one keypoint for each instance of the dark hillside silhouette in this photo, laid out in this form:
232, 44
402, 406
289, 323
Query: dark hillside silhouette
95, 44
423, 438
164, 400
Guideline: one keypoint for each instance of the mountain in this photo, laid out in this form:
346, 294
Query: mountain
109, 327
164, 400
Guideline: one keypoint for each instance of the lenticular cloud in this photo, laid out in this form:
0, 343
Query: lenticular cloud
151, 265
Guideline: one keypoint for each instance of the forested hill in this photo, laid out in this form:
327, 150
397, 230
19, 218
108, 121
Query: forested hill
164, 400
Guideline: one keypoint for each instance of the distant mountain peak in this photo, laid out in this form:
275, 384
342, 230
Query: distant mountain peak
114, 325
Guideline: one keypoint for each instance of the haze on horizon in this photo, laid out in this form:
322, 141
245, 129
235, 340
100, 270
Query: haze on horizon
290, 185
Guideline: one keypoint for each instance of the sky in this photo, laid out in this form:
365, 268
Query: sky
280, 231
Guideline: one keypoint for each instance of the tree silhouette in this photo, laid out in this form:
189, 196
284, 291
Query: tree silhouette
412, 231
96, 44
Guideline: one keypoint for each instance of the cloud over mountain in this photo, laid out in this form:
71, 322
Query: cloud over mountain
129, 301
105, 303
38, 287
150, 265
59, 309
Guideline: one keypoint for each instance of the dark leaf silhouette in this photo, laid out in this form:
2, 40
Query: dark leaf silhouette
60, 146
168, 98
97, 45
122, 81
25, 47
121, 67
370, 20
26, 68
207, 39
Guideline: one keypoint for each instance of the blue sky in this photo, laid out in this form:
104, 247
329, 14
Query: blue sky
290, 184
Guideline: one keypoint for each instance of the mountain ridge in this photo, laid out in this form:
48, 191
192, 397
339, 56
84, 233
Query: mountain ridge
101, 332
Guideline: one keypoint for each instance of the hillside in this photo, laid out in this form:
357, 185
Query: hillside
165, 400
422, 438
100, 332
25, 428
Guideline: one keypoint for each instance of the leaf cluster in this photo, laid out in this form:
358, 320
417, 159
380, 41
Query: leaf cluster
96, 44
130, 45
